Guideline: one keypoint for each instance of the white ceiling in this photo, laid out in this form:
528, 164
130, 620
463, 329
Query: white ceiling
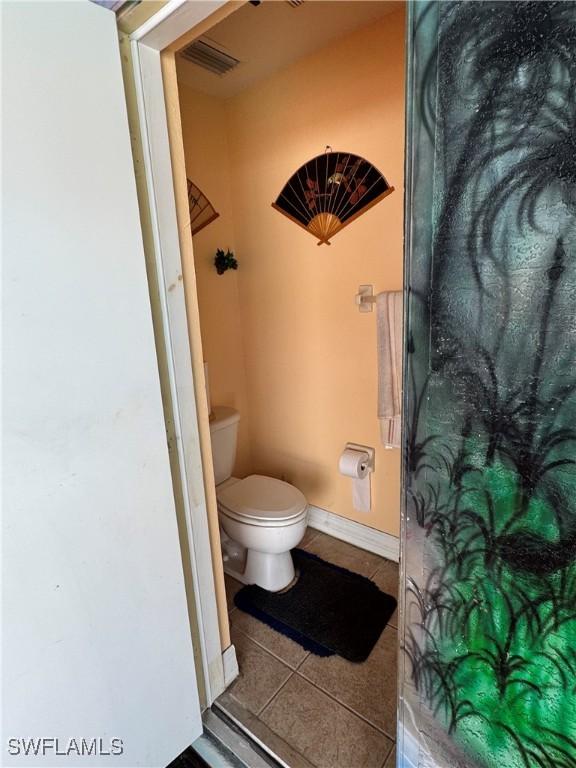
273, 34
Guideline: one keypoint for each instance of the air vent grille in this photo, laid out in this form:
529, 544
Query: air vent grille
210, 58
295, 3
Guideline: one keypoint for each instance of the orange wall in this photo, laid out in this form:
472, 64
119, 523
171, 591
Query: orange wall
310, 354
309, 381
207, 165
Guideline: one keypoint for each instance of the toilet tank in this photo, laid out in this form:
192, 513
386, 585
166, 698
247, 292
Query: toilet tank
224, 436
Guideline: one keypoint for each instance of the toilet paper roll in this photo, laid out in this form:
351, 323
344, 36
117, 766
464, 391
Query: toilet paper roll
355, 464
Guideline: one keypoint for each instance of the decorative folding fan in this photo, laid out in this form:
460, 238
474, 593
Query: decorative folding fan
330, 191
201, 209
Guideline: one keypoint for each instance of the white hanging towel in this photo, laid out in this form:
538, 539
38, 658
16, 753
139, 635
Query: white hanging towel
389, 333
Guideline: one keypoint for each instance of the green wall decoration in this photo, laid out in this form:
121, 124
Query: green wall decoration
223, 261
489, 521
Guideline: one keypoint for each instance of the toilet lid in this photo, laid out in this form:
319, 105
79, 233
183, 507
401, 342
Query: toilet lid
262, 499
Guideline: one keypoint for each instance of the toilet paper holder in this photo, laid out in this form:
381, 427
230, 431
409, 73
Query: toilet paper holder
366, 449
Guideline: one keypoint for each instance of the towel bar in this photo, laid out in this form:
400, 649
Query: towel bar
365, 298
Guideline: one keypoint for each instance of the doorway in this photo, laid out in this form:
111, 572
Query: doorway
441, 39
283, 340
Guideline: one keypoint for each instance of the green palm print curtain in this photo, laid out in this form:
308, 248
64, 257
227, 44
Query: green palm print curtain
488, 663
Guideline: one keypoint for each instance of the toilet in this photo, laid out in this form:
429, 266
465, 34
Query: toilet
261, 518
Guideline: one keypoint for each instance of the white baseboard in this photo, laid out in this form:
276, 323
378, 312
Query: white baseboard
359, 535
230, 664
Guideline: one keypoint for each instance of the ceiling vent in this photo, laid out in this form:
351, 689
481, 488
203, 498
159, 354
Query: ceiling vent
208, 57
295, 3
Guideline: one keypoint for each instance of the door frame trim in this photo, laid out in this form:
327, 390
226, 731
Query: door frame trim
187, 399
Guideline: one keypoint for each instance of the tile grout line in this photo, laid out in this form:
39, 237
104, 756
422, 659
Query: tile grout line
374, 574
347, 545
348, 708
383, 560
263, 648
290, 745
257, 717
271, 699
384, 764
313, 536
271, 653
308, 653
339, 703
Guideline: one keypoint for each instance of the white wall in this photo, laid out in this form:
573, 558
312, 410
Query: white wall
95, 636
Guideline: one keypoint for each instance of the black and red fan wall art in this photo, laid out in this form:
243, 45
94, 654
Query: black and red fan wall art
201, 209
328, 192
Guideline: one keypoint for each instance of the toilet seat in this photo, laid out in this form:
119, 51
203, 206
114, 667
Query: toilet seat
262, 501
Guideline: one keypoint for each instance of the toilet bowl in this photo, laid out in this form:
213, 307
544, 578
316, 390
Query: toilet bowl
261, 518
267, 518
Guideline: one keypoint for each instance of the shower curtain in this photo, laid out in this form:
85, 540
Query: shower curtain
488, 657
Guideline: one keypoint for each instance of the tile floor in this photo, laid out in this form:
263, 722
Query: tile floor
318, 712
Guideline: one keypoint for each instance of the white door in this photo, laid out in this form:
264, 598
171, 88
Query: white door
96, 642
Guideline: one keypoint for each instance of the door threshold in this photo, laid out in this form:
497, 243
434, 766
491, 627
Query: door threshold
272, 745
224, 744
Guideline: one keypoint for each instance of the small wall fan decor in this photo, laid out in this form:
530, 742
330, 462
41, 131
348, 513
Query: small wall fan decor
330, 191
201, 210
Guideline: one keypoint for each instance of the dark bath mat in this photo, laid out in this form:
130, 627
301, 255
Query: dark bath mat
328, 610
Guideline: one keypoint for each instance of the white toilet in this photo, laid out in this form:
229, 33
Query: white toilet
261, 519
